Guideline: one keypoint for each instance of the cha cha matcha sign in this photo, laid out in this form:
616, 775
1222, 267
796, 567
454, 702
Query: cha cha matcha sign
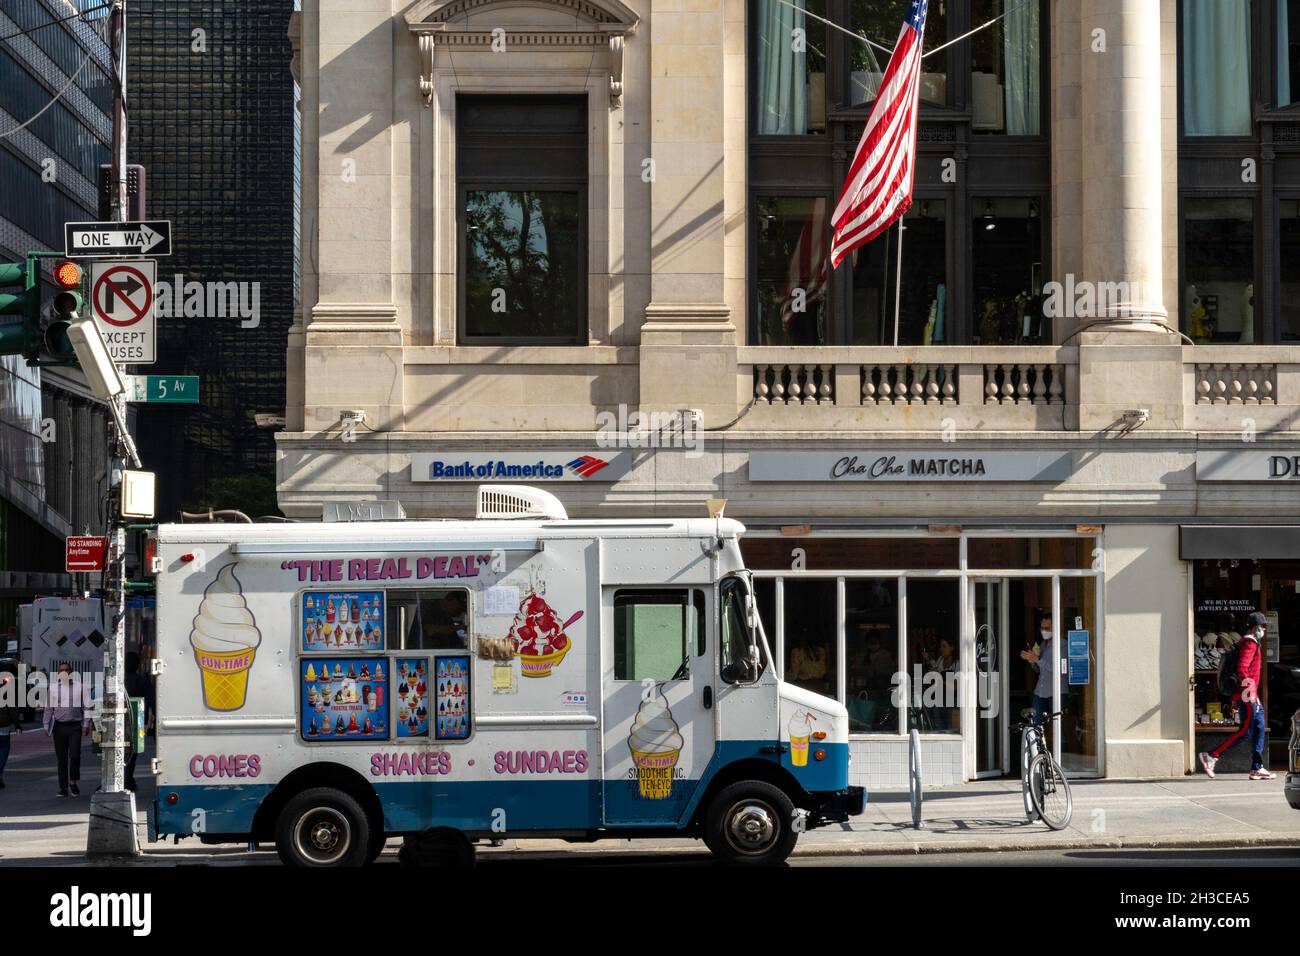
928, 465
535, 466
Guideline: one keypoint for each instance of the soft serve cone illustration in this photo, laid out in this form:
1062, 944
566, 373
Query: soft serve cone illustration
655, 744
225, 639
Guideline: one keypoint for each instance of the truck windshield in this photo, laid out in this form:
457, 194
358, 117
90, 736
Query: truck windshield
736, 659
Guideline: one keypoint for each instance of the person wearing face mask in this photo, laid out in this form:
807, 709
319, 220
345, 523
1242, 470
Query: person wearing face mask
1249, 665
67, 721
1044, 662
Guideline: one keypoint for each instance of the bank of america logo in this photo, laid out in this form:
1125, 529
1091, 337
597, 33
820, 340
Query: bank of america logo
586, 466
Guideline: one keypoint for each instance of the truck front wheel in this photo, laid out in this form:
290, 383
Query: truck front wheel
323, 827
751, 823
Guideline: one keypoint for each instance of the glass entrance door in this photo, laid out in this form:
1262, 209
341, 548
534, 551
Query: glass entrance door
989, 653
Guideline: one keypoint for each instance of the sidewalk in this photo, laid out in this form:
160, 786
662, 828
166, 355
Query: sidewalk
37, 828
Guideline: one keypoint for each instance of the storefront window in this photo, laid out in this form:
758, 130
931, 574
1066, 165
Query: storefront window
924, 318
851, 554
793, 270
1028, 553
1288, 52
811, 635
1007, 254
1006, 68
1219, 270
871, 654
790, 75
1289, 234
879, 21
934, 656
1216, 67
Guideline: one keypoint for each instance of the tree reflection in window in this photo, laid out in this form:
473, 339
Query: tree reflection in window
523, 270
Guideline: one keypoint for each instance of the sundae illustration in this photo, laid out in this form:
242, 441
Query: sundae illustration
225, 639
655, 744
539, 638
800, 728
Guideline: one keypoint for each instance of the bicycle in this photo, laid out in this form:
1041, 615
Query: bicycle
1042, 782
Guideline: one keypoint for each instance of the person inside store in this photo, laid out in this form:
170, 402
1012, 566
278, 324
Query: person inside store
440, 623
1043, 659
872, 675
1249, 667
67, 721
808, 661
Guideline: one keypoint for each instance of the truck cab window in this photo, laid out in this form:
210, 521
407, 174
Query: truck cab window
434, 619
654, 632
735, 656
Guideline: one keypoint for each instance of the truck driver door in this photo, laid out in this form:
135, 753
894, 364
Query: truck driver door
658, 716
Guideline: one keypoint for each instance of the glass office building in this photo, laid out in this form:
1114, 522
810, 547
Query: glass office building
55, 130
212, 120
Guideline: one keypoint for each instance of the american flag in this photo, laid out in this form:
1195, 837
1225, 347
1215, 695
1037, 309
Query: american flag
807, 269
879, 185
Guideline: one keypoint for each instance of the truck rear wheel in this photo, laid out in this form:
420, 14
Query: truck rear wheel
751, 823
323, 827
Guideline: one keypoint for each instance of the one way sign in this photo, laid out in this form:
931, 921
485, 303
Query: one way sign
106, 240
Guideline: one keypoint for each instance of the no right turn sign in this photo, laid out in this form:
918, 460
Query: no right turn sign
122, 301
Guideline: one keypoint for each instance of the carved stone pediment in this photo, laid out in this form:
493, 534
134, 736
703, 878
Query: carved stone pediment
536, 25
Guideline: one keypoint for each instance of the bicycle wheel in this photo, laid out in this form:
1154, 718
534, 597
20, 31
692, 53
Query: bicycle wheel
1050, 792
1027, 754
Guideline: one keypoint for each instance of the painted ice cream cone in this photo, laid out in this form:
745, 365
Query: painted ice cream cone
800, 729
225, 639
656, 746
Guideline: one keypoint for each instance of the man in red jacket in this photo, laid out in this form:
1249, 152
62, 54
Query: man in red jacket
1249, 665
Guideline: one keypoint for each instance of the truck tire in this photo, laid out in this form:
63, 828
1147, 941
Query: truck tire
377, 844
323, 827
751, 823
437, 847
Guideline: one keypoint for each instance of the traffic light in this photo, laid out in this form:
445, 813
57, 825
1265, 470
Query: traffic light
39, 342
56, 349
17, 338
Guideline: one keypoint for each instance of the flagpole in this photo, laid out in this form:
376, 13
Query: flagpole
898, 277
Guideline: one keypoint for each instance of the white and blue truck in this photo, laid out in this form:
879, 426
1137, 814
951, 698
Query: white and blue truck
520, 675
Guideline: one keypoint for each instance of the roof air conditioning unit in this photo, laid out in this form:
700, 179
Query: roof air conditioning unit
518, 501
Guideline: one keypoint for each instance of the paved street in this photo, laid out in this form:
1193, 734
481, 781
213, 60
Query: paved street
1191, 821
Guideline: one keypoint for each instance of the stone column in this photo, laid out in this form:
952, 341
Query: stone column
1122, 180
688, 355
1112, 241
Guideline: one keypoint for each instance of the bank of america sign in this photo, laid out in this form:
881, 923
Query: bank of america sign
537, 466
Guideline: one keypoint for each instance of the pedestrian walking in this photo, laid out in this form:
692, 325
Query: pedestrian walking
1249, 662
9, 718
66, 720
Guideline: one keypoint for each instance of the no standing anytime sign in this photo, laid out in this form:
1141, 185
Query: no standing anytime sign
122, 301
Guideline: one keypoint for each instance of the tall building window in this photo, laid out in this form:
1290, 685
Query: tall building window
1287, 35
1219, 269
792, 270
1216, 67
973, 94
1289, 235
1007, 266
522, 181
923, 293
1006, 68
790, 72
880, 21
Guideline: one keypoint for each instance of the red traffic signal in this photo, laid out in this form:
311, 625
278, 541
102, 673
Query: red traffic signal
67, 275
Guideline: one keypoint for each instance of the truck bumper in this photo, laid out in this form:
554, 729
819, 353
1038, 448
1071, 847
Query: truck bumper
837, 807
1293, 790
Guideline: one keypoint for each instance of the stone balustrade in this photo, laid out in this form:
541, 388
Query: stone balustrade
1222, 383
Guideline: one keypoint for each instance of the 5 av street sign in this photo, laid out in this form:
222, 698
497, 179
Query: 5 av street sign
165, 389
106, 240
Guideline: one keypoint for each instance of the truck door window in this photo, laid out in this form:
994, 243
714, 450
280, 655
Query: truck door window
654, 632
734, 655
435, 619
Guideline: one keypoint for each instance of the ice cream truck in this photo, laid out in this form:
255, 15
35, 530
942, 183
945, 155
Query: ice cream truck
520, 675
